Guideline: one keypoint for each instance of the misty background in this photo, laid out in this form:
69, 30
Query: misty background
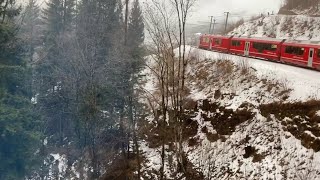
199, 20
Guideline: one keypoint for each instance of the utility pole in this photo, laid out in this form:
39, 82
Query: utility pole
225, 27
213, 25
210, 24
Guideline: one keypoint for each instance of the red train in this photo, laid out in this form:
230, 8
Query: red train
301, 53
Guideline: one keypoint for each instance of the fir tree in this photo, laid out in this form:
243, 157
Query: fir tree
31, 28
59, 19
136, 37
136, 26
18, 123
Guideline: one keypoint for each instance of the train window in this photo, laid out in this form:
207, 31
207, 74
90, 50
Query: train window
236, 43
264, 46
294, 50
318, 53
205, 40
217, 41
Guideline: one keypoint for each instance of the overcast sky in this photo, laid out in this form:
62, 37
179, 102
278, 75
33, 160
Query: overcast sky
237, 8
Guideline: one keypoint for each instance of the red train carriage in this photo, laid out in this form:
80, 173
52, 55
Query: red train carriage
205, 41
302, 53
221, 43
239, 46
265, 48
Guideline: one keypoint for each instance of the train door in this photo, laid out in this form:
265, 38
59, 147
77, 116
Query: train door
210, 44
246, 49
310, 57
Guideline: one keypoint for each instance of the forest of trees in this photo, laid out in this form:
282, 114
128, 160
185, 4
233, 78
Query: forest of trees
69, 72
66, 82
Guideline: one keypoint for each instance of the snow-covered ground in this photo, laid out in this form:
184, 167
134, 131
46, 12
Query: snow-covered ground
277, 153
299, 27
305, 83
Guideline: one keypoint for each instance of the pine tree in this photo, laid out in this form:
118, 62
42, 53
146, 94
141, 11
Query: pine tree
100, 38
136, 26
18, 123
59, 17
51, 87
136, 36
135, 51
31, 28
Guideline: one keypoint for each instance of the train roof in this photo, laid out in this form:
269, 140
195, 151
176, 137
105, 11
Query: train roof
303, 43
258, 38
216, 36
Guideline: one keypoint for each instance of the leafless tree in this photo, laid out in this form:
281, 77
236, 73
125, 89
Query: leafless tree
166, 25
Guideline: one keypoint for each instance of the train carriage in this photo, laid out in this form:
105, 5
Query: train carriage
221, 43
238, 46
265, 48
302, 53
205, 42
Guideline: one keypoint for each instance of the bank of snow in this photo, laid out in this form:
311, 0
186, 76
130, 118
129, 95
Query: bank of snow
305, 83
274, 153
297, 27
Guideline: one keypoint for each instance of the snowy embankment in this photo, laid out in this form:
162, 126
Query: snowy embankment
239, 133
304, 83
299, 27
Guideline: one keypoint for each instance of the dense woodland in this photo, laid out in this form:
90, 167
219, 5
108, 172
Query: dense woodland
68, 85
67, 76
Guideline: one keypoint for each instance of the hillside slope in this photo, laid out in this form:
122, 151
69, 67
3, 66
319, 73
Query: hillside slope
247, 119
298, 7
298, 27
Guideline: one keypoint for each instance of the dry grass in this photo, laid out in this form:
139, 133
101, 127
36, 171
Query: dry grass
224, 67
244, 65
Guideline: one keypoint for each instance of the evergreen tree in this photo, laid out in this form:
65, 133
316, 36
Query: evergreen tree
59, 19
18, 124
136, 26
136, 37
31, 28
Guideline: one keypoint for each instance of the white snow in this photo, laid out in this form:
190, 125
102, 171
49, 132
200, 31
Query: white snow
61, 162
282, 156
34, 99
224, 160
305, 83
298, 27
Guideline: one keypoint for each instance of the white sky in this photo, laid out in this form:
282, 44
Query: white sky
237, 8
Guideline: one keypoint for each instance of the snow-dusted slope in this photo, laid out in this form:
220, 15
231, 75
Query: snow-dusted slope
305, 83
237, 137
298, 27
310, 8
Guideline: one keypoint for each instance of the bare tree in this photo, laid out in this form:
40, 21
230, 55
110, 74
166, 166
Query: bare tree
166, 25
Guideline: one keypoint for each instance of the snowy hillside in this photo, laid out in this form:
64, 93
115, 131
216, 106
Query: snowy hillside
294, 7
298, 27
247, 119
